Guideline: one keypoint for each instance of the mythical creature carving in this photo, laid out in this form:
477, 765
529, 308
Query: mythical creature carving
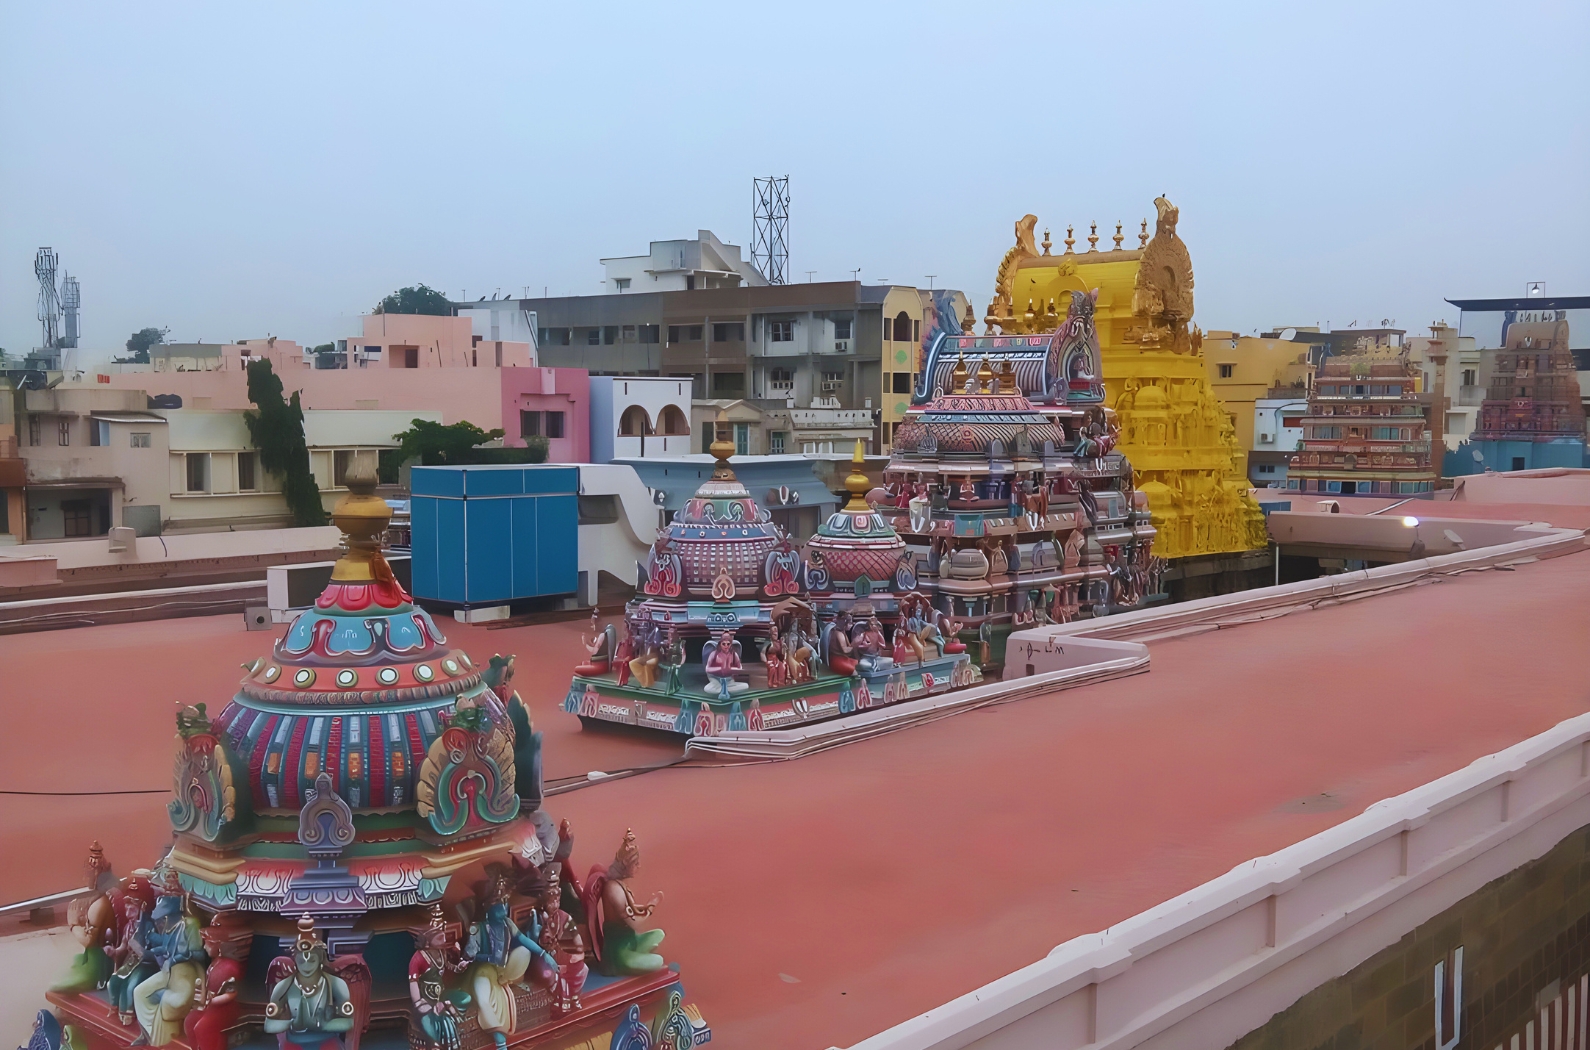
1164, 290
468, 775
1000, 307
206, 799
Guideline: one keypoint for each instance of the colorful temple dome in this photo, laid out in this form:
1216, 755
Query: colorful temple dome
357, 688
722, 545
856, 550
985, 417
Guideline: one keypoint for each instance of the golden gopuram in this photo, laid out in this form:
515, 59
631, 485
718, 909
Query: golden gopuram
1180, 441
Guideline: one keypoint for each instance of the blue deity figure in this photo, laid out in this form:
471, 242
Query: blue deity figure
502, 953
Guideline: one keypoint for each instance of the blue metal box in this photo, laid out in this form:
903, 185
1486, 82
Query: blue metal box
492, 534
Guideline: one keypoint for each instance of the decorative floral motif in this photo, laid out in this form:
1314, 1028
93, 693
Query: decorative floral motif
467, 779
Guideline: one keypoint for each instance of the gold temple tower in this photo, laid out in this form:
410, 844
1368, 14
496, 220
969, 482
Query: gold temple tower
1180, 441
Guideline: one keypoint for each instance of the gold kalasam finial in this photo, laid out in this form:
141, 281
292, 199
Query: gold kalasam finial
1069, 239
1118, 237
1048, 310
1046, 241
1093, 237
985, 376
1029, 314
856, 482
363, 517
721, 448
969, 319
1142, 235
1007, 378
958, 375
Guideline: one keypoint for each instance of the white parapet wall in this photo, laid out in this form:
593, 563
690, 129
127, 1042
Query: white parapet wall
1205, 968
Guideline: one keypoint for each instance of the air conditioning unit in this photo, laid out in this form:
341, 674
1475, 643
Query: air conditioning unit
841, 346
1266, 438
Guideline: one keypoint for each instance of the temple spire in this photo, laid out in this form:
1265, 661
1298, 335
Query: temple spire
363, 517
857, 483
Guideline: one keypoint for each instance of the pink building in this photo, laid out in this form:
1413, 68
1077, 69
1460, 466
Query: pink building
490, 383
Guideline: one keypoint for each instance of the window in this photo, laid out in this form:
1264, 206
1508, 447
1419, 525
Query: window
842, 328
245, 472
729, 384
621, 283
35, 431
626, 333
198, 469
775, 443
593, 337
690, 283
728, 332
554, 424
916, 331
650, 333
139, 439
341, 466
902, 327
529, 424
99, 432
1291, 421
902, 383
408, 356
693, 333
673, 333
1469, 377
832, 381
555, 336
63, 431
1226, 370
635, 422
781, 331
742, 439
672, 422
1266, 468
781, 379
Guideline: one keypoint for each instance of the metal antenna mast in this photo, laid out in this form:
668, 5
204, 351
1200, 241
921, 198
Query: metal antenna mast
71, 302
44, 264
770, 228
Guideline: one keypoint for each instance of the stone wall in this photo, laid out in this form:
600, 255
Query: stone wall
1525, 938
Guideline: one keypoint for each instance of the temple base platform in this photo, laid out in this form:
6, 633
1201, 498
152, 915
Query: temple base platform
687, 709
607, 1005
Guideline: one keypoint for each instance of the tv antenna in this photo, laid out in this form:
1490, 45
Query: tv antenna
770, 228
44, 264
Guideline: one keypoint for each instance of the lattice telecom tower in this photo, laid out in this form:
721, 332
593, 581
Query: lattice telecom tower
44, 264
770, 228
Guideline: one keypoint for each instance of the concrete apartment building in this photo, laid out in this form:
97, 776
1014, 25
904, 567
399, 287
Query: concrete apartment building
693, 309
95, 457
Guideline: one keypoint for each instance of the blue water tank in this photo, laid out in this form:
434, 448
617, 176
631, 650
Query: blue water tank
488, 535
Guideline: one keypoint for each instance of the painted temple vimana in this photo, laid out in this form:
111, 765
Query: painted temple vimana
362, 854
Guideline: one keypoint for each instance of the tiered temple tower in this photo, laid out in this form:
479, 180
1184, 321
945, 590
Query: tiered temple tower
1367, 431
1179, 439
1532, 416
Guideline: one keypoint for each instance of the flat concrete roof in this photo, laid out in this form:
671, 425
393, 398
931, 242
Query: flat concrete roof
813, 903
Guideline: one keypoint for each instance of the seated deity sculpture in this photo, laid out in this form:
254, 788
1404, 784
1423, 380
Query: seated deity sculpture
648, 654
620, 945
839, 649
600, 645
92, 920
437, 1013
721, 658
216, 1008
310, 1006
131, 953
501, 954
870, 644
162, 1000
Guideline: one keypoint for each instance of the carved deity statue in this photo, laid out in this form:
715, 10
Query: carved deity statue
310, 1006
502, 954
215, 1008
163, 999
92, 920
437, 1014
620, 945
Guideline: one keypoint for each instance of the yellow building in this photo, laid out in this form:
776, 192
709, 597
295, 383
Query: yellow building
1182, 444
1244, 368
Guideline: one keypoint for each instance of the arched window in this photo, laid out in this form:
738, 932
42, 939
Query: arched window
671, 421
902, 327
634, 422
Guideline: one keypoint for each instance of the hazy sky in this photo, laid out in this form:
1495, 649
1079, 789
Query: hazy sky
234, 170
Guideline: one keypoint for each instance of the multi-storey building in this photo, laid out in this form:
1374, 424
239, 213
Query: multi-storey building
1367, 429
1532, 416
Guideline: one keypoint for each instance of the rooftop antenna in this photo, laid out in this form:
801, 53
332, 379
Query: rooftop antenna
71, 301
44, 264
770, 228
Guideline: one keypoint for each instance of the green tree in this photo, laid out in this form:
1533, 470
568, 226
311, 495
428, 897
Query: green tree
138, 345
277, 429
416, 299
455, 444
